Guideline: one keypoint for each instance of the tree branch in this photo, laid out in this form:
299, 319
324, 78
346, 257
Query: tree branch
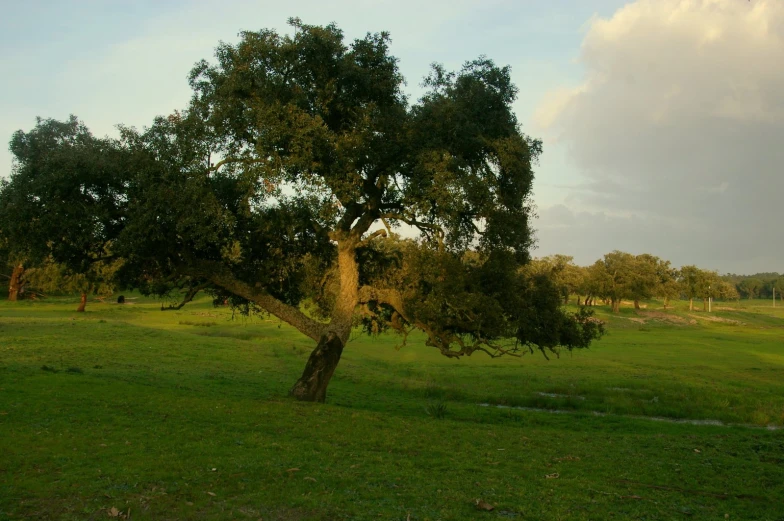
220, 276
228, 160
377, 233
188, 297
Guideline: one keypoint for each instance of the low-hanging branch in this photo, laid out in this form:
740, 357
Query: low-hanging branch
192, 292
216, 273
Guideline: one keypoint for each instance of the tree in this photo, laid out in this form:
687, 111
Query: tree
726, 291
65, 199
616, 276
778, 285
750, 288
50, 278
645, 278
299, 155
708, 285
667, 283
690, 277
565, 274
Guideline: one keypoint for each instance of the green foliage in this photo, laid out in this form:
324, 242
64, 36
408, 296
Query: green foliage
292, 147
66, 196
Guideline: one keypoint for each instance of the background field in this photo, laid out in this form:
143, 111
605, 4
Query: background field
184, 415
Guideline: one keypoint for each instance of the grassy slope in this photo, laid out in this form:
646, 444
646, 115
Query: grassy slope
164, 398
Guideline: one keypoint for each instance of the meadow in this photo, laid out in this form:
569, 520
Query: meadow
128, 412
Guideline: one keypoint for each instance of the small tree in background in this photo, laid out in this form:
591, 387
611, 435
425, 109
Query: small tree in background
65, 200
750, 288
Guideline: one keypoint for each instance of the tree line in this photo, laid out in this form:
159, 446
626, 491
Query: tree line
620, 276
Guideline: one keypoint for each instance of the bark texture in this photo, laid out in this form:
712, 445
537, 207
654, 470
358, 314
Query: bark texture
312, 385
82, 303
15, 286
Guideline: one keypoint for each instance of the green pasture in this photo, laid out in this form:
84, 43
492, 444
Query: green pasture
129, 412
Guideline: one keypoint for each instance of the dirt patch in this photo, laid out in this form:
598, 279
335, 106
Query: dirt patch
631, 303
724, 308
636, 320
661, 316
711, 318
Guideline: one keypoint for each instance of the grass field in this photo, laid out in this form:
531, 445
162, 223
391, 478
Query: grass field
132, 413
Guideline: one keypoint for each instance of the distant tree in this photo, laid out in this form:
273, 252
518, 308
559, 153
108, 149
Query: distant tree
645, 278
726, 291
779, 287
99, 279
750, 288
594, 280
667, 284
65, 199
690, 281
616, 276
565, 274
283, 180
708, 286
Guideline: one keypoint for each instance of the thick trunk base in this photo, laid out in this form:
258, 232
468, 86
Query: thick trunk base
312, 385
15, 287
82, 303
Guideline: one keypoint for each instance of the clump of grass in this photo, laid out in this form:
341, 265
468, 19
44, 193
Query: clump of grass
197, 324
433, 391
49, 369
77, 370
436, 409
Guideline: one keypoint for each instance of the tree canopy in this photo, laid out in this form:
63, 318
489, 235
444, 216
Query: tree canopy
283, 182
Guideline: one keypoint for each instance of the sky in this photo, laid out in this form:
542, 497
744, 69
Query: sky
662, 120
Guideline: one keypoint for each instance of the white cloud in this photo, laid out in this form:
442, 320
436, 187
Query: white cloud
679, 122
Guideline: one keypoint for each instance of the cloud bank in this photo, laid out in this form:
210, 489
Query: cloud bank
677, 132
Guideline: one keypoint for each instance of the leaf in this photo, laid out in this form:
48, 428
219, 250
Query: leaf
484, 505
308, 478
697, 451
554, 475
113, 512
211, 493
295, 469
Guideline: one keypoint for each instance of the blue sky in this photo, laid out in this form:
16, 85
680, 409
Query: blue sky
608, 85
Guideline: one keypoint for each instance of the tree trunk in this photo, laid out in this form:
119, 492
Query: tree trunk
691, 304
82, 303
705, 304
312, 385
616, 306
636, 304
15, 287
578, 300
666, 302
566, 299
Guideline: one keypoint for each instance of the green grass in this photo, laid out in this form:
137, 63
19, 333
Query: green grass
128, 407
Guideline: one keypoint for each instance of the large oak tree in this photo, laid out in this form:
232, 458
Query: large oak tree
298, 158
